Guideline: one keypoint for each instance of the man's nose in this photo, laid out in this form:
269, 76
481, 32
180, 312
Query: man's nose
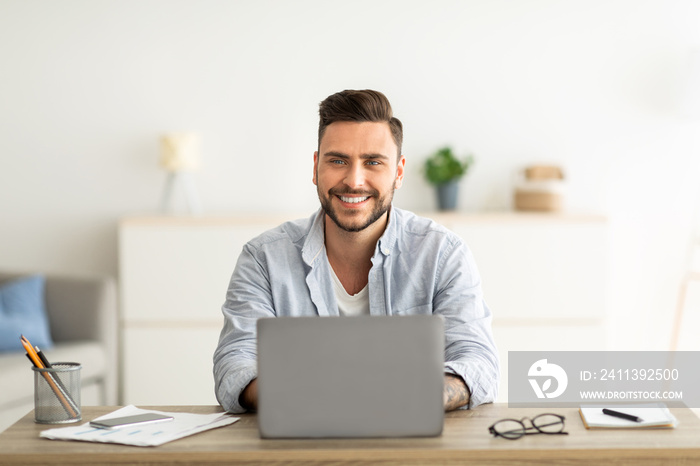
355, 176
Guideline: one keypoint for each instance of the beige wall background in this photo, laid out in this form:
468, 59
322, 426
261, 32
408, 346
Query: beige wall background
596, 86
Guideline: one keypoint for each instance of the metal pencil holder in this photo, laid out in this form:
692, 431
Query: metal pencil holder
57, 393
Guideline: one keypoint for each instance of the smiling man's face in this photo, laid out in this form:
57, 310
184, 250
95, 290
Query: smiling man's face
356, 170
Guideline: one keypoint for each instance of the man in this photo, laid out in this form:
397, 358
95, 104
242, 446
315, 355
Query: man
358, 255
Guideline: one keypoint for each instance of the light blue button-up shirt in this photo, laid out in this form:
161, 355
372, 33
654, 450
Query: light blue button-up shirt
418, 267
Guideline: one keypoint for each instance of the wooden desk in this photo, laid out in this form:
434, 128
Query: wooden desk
465, 440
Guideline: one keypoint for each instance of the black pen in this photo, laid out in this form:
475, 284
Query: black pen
629, 417
46, 362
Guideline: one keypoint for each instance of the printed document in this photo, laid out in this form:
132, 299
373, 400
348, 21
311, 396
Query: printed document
145, 435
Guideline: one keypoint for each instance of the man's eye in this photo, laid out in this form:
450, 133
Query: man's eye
337, 161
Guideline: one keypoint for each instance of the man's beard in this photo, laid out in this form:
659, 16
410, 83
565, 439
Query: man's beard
382, 206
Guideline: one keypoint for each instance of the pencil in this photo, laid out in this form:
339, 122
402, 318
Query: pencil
65, 399
56, 377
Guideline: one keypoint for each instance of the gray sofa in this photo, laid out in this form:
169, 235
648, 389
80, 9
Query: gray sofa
82, 314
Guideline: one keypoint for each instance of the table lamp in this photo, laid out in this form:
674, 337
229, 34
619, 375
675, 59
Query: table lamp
179, 156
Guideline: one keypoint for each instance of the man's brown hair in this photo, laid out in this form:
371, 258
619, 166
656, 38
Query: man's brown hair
359, 106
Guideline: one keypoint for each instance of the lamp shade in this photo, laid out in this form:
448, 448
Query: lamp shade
179, 151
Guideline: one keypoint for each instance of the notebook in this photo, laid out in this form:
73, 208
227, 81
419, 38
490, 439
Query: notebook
368, 376
652, 415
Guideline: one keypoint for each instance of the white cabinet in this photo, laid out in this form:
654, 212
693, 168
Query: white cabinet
544, 278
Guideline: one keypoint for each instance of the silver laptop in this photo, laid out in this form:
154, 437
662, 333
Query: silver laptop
350, 376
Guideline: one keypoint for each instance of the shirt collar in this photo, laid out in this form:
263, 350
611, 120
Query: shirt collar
388, 239
315, 241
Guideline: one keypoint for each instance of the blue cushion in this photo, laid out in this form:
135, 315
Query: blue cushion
23, 312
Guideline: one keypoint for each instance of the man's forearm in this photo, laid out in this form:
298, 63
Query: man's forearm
456, 393
249, 396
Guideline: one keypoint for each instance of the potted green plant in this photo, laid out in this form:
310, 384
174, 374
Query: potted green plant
444, 170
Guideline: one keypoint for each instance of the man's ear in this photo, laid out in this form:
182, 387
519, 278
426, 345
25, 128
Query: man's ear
400, 169
315, 167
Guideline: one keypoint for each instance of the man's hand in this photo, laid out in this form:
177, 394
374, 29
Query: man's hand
456, 392
249, 396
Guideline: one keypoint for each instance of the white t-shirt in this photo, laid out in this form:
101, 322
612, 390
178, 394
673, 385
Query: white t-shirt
350, 305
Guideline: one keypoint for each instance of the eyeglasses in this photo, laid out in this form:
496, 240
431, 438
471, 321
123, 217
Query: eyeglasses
513, 429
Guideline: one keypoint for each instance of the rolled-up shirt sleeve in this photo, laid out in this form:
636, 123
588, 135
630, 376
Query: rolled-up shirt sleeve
235, 360
470, 351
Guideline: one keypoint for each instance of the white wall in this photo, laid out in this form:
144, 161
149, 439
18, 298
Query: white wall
87, 87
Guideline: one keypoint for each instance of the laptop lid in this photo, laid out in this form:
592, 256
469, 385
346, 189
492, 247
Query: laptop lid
367, 376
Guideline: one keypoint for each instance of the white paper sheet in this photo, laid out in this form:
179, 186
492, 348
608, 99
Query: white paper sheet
147, 435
